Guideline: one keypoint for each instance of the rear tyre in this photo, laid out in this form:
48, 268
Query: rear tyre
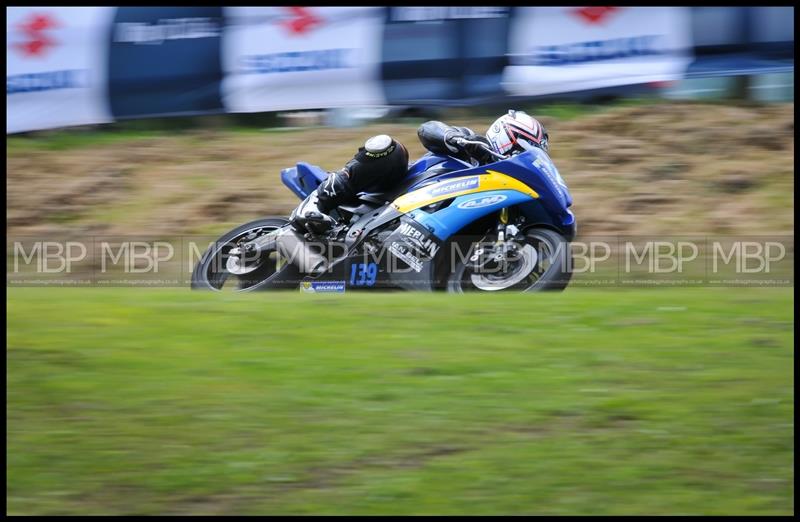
211, 272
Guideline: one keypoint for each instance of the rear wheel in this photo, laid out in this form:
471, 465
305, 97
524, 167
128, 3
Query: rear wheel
219, 269
540, 261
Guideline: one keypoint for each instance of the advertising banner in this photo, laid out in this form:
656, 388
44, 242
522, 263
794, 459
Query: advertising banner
56, 72
276, 58
565, 49
443, 54
90, 65
165, 61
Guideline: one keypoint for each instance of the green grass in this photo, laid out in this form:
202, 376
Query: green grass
97, 136
563, 110
89, 136
655, 401
72, 138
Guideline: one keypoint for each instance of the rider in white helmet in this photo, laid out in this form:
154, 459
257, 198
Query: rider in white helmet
510, 134
517, 132
383, 161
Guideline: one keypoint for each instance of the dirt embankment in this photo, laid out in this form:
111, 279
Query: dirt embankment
672, 168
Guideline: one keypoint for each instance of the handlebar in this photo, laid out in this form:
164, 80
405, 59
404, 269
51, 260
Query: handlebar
462, 141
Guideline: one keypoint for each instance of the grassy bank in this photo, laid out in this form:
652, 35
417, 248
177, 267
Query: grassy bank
660, 401
643, 169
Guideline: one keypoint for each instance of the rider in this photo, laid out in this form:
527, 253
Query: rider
383, 161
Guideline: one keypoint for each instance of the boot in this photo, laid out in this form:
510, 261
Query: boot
308, 217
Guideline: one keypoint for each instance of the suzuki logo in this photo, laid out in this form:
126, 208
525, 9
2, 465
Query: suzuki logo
302, 20
37, 40
594, 14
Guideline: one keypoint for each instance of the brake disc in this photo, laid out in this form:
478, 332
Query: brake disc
522, 268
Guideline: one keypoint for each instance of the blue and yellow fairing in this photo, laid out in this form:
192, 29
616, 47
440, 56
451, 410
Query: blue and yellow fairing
529, 180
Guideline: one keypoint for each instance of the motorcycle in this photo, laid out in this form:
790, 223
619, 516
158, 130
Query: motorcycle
449, 225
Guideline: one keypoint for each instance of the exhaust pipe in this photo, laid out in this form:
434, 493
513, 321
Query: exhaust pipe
292, 246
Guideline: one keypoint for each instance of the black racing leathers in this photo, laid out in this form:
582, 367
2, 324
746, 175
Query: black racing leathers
381, 170
366, 172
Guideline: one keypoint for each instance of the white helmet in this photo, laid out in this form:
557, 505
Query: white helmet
517, 132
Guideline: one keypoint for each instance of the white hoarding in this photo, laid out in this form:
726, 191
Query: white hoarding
56, 67
301, 57
563, 49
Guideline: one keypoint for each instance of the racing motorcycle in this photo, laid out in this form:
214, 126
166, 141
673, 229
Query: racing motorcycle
449, 225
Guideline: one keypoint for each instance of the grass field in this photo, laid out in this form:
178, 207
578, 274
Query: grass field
654, 401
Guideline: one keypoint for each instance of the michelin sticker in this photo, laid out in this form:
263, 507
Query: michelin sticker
322, 287
482, 202
455, 186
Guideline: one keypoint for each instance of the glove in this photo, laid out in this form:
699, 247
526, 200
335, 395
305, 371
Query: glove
453, 137
475, 150
472, 150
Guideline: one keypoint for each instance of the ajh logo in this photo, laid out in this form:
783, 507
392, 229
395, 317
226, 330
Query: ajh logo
37, 41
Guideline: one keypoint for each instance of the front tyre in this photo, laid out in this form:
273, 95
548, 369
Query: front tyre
541, 261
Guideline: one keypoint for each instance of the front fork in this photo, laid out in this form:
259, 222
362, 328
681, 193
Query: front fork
503, 249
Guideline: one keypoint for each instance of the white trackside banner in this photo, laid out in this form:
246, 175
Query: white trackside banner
301, 57
564, 49
56, 67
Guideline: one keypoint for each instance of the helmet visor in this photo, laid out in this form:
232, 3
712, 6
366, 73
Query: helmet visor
528, 146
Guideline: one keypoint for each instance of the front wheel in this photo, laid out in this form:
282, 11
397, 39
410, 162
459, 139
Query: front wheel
542, 260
